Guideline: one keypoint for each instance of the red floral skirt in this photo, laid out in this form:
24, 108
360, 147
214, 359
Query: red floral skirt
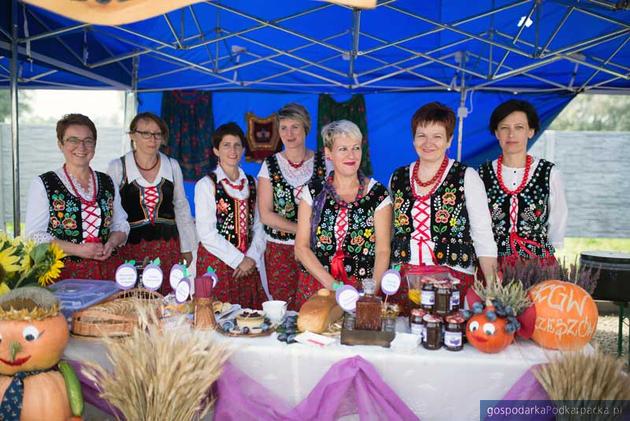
401, 298
247, 291
167, 250
512, 260
283, 272
308, 286
86, 269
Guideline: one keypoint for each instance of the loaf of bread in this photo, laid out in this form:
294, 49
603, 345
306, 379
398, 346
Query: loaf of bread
319, 312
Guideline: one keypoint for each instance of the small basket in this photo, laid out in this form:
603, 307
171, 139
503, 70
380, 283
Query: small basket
115, 317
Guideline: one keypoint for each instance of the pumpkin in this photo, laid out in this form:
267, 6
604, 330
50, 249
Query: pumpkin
45, 397
488, 335
33, 335
566, 315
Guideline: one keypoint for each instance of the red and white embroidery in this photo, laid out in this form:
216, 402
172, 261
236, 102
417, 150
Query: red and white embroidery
150, 198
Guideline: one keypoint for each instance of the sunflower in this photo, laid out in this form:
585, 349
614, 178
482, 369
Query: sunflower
54, 256
9, 262
27, 261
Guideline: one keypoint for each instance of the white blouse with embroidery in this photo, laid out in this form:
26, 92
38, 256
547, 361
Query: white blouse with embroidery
38, 213
171, 171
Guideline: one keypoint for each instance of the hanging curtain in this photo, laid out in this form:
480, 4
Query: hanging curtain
353, 110
188, 115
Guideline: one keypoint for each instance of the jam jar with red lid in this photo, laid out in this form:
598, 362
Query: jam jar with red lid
433, 336
417, 323
454, 332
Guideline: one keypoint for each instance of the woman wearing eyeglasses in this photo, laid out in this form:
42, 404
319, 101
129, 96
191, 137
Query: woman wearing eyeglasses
152, 190
76, 207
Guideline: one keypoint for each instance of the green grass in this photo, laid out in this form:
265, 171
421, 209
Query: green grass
573, 246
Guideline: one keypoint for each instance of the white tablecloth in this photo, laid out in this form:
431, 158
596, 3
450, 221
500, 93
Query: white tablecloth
436, 385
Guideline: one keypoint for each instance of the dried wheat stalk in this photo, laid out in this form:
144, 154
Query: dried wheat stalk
160, 374
582, 376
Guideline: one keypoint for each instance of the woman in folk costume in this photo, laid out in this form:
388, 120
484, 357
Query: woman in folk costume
344, 224
525, 194
76, 207
440, 207
281, 179
231, 236
152, 193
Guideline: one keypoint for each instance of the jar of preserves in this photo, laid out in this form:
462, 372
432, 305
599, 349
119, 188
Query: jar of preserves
417, 323
442, 298
427, 300
454, 332
455, 296
368, 308
433, 337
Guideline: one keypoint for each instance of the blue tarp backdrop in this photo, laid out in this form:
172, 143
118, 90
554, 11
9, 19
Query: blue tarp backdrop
389, 121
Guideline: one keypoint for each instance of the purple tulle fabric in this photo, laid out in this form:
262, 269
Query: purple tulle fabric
351, 386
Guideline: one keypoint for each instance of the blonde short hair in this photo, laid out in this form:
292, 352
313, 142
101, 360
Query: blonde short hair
340, 128
297, 112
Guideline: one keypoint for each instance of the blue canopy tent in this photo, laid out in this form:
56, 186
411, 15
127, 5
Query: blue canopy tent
256, 56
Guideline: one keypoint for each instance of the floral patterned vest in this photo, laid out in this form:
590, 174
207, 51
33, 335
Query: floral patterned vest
227, 211
360, 241
450, 225
65, 221
284, 201
164, 227
533, 210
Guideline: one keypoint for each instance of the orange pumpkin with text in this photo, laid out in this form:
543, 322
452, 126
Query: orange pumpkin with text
566, 315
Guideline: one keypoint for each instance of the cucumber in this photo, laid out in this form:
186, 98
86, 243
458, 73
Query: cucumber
73, 388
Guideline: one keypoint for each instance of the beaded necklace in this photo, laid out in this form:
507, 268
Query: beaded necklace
528, 165
434, 180
338, 199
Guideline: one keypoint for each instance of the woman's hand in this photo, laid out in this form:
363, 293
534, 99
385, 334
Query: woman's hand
245, 268
187, 257
90, 251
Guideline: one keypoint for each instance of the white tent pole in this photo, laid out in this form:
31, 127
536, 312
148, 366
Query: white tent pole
15, 152
462, 113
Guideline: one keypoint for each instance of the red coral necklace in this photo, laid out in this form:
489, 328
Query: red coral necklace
528, 165
433, 181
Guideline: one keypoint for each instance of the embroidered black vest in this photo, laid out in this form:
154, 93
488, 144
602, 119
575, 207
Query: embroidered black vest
227, 211
450, 225
533, 210
164, 227
65, 222
360, 241
284, 202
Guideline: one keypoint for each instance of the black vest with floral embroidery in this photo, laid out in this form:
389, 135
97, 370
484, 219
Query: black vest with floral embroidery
360, 241
65, 222
533, 211
227, 211
450, 225
284, 201
164, 227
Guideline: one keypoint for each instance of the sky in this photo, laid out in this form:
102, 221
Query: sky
105, 108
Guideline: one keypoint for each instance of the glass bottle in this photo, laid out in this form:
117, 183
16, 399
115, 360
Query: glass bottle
368, 310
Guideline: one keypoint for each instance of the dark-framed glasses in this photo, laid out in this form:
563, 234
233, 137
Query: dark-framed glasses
88, 142
149, 135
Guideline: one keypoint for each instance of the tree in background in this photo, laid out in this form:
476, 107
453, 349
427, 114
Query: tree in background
595, 113
5, 104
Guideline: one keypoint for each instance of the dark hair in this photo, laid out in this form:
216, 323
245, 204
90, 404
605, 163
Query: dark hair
152, 117
436, 113
74, 120
226, 129
513, 105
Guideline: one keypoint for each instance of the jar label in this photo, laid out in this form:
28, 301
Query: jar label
428, 298
416, 329
453, 339
454, 298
